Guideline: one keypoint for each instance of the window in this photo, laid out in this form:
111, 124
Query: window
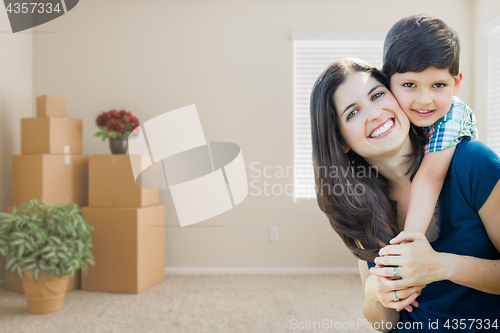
493, 31
312, 52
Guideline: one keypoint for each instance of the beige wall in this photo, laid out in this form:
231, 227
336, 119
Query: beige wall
233, 59
15, 102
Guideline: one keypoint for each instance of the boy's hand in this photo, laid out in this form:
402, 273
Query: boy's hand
406, 237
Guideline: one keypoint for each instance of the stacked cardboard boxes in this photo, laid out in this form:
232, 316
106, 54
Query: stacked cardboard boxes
50, 166
129, 235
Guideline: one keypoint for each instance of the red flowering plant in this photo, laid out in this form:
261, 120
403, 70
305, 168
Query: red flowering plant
115, 124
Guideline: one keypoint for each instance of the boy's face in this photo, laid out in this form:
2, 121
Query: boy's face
426, 96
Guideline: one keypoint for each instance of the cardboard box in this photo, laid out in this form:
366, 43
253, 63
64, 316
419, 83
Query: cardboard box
112, 183
59, 179
14, 283
128, 247
50, 106
51, 135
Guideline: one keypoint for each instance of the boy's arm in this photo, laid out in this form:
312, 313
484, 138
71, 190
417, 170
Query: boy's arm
425, 189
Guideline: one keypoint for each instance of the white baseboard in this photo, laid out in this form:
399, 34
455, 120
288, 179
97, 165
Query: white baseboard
243, 270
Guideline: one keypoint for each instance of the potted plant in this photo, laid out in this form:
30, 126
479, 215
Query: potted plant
117, 126
43, 245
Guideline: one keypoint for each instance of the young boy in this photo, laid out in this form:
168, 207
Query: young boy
421, 60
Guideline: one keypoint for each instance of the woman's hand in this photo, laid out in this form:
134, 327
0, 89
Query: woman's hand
417, 262
377, 289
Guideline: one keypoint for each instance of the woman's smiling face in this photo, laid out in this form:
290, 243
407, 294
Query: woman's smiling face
371, 121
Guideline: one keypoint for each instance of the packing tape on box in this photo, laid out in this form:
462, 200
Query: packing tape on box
171, 150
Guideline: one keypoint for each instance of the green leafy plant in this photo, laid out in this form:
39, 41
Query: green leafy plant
40, 237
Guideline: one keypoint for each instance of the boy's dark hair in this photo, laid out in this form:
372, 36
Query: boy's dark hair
417, 42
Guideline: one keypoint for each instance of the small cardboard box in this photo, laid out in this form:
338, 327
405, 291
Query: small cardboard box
112, 183
128, 247
50, 106
51, 135
14, 283
59, 179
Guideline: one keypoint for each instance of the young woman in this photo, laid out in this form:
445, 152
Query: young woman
357, 124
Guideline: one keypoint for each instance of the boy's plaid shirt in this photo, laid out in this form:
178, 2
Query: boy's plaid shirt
459, 123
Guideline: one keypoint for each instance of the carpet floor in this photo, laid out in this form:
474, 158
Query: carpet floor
203, 304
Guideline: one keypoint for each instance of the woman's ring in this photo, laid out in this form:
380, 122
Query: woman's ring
395, 273
396, 298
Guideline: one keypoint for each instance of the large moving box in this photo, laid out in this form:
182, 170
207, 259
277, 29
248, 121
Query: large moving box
14, 283
128, 247
112, 183
51, 135
50, 106
54, 178
59, 179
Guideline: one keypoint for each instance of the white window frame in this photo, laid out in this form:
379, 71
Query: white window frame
312, 52
492, 29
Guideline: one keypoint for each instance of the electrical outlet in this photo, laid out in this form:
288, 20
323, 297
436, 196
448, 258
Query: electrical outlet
273, 234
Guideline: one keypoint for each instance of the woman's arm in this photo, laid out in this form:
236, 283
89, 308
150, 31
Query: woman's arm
373, 310
379, 305
480, 274
422, 265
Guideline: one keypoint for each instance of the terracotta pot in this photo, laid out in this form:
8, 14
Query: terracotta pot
118, 145
44, 298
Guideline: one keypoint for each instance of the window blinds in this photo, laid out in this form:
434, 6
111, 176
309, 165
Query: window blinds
494, 90
312, 52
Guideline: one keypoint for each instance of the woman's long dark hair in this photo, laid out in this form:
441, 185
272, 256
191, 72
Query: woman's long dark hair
355, 200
